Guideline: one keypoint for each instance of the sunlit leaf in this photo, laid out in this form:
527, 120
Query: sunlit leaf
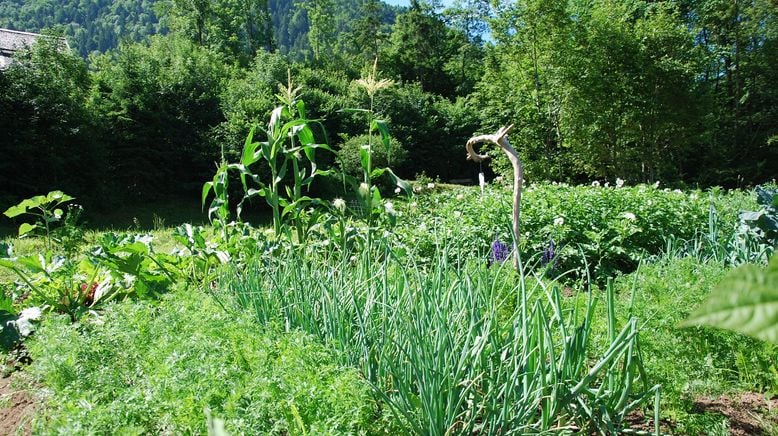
745, 301
26, 228
33, 263
400, 183
383, 129
15, 211
306, 135
207, 187
364, 156
58, 196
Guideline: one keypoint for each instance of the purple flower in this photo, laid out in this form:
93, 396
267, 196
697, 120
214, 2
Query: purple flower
548, 253
500, 251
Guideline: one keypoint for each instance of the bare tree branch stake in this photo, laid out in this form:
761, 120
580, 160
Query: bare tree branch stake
501, 139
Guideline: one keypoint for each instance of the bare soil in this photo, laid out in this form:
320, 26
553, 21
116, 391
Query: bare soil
749, 413
16, 408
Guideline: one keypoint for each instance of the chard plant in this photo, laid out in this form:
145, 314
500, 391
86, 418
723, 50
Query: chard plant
57, 282
50, 278
60, 279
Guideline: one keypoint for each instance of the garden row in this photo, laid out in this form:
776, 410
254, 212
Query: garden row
442, 341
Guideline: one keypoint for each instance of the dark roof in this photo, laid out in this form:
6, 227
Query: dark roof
12, 41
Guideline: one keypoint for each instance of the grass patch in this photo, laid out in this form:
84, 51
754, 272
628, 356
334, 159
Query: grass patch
691, 362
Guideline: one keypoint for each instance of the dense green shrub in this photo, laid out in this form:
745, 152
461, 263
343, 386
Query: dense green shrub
247, 99
391, 156
613, 227
49, 138
138, 368
158, 103
433, 129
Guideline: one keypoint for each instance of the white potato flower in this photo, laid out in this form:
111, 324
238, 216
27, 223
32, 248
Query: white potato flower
339, 204
364, 189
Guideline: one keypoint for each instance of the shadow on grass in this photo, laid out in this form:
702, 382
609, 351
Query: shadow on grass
141, 217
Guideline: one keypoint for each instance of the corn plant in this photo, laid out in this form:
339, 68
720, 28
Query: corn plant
456, 348
290, 140
368, 194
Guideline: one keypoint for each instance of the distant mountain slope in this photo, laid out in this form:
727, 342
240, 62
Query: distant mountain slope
99, 25
90, 25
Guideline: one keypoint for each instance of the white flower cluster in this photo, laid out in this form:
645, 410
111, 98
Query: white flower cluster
339, 204
24, 322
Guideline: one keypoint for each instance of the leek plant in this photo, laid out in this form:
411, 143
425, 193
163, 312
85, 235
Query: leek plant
456, 348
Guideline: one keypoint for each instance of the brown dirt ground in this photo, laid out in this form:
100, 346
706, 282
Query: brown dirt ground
16, 408
749, 413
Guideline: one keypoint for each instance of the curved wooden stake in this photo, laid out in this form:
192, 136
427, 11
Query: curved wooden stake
501, 139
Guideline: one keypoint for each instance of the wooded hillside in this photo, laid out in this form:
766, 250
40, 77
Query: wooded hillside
679, 91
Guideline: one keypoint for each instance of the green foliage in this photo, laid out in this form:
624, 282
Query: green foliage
423, 49
60, 279
433, 129
130, 260
247, 100
159, 102
90, 25
750, 240
46, 210
764, 222
145, 368
696, 361
235, 29
453, 347
49, 141
613, 228
321, 31
392, 156
745, 301
290, 140
639, 90
59, 283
